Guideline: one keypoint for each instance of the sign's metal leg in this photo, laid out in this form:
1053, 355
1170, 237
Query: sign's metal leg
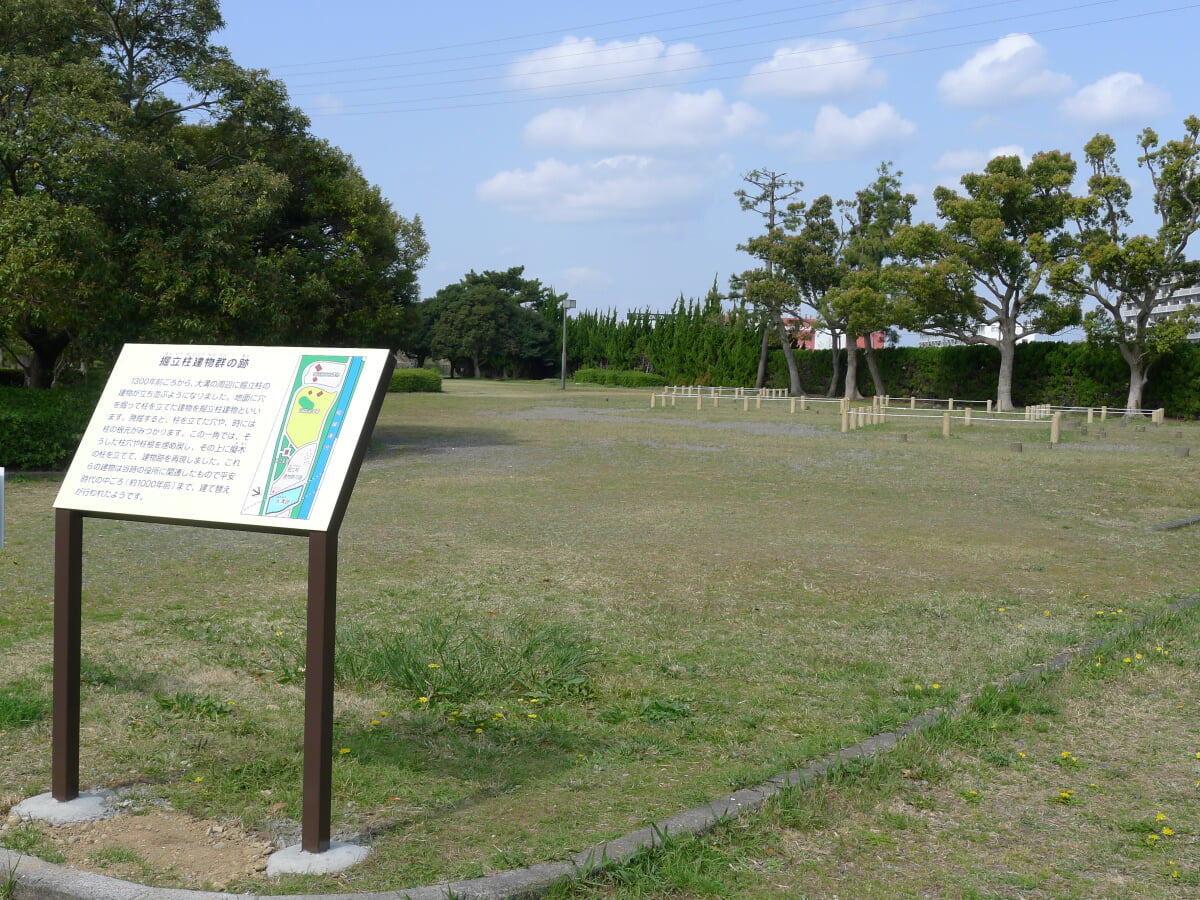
318, 690
68, 591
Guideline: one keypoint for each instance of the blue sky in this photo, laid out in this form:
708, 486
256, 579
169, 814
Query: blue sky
600, 145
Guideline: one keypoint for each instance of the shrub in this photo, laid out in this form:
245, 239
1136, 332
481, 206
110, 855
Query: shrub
409, 381
41, 429
619, 378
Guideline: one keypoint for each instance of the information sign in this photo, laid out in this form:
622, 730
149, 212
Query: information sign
246, 437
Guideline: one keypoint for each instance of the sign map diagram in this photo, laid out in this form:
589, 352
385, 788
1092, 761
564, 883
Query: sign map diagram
290, 473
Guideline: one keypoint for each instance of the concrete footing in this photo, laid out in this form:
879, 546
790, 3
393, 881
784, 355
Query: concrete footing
84, 808
295, 861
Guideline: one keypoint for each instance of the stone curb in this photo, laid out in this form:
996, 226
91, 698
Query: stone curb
1178, 523
39, 880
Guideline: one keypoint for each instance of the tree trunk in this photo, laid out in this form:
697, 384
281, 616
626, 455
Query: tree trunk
789, 353
836, 361
475, 365
1008, 351
761, 378
1139, 374
873, 367
851, 392
47, 348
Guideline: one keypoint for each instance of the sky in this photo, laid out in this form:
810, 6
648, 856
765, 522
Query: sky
600, 145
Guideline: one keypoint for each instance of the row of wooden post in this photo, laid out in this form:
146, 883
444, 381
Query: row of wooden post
857, 417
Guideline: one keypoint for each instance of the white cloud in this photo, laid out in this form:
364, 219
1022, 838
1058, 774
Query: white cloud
1121, 97
815, 69
582, 64
961, 161
1009, 70
625, 187
327, 104
891, 16
957, 163
649, 120
575, 278
836, 135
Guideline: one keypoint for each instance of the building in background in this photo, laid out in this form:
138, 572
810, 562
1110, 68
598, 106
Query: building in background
1171, 301
808, 335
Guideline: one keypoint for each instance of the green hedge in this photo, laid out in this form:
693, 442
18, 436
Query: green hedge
619, 378
1062, 374
408, 381
41, 429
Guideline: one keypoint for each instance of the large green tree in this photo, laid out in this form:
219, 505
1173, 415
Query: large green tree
494, 322
1127, 275
982, 275
128, 214
863, 298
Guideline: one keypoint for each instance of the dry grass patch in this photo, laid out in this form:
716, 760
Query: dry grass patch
758, 590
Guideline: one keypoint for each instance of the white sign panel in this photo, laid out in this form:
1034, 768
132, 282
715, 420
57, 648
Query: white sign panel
242, 436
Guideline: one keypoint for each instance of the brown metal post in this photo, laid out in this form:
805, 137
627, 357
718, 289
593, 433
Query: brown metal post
68, 592
318, 691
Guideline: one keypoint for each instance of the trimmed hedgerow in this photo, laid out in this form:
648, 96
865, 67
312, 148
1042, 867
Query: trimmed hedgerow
408, 381
40, 429
619, 378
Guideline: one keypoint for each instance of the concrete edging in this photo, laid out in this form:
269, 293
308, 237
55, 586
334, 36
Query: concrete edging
39, 880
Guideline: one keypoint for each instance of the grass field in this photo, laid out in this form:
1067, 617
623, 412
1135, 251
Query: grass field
564, 615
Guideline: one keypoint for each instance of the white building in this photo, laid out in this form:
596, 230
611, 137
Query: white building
1171, 301
989, 331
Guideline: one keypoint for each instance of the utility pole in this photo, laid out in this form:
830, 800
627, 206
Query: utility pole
567, 303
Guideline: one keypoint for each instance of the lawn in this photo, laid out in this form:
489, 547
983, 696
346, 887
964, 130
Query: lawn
565, 615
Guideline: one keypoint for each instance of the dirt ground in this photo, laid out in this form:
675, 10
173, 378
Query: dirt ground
169, 847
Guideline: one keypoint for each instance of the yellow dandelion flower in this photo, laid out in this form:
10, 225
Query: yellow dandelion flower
1152, 837
383, 713
1066, 754
1127, 659
533, 715
435, 665
935, 686
423, 699
344, 751
1022, 755
1046, 613
1168, 831
479, 731
1138, 656
1160, 817
376, 722
916, 687
1003, 609
198, 779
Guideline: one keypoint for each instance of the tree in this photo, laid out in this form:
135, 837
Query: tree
772, 190
495, 321
1127, 275
811, 257
863, 298
148, 218
982, 276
